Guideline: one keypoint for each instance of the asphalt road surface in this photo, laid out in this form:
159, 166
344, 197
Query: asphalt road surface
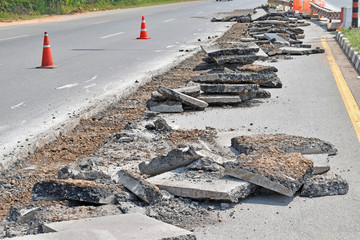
98, 56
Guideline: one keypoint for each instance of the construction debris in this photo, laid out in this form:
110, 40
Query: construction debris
174, 159
81, 191
273, 169
320, 161
327, 184
138, 186
287, 143
134, 226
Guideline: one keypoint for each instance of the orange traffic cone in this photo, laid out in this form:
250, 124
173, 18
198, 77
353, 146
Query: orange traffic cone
143, 33
47, 60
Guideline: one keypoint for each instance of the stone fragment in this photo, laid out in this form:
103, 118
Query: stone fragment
287, 143
174, 159
300, 51
241, 59
327, 184
161, 125
167, 106
219, 99
73, 173
228, 88
205, 164
195, 185
258, 13
131, 208
192, 91
21, 214
247, 39
258, 69
185, 99
272, 169
214, 49
126, 226
75, 190
138, 186
237, 78
271, 22
320, 161
276, 38
216, 158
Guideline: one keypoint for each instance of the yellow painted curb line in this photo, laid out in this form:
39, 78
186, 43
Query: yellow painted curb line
349, 100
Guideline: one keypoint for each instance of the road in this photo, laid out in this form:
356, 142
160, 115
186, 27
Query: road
98, 57
310, 105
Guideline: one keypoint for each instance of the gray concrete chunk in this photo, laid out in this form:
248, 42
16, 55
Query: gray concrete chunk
320, 161
229, 88
327, 184
259, 13
167, 106
126, 226
139, 186
192, 91
277, 38
192, 184
272, 169
215, 50
220, 99
300, 51
174, 159
287, 143
185, 99
241, 59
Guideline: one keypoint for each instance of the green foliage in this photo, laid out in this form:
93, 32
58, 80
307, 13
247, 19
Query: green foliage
24, 9
353, 34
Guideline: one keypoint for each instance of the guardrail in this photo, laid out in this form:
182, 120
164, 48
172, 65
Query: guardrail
325, 12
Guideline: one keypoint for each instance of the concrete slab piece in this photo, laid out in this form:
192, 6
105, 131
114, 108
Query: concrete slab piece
192, 91
272, 169
185, 99
320, 161
241, 59
126, 226
89, 234
219, 99
259, 13
277, 38
229, 88
192, 184
174, 159
215, 50
301, 51
167, 106
287, 143
327, 184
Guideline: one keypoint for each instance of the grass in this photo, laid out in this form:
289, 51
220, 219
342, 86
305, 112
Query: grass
353, 34
32, 9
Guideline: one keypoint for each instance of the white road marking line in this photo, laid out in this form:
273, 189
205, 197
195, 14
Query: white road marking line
199, 12
171, 46
92, 79
5, 28
99, 22
166, 21
89, 86
4, 39
17, 105
112, 35
67, 86
157, 51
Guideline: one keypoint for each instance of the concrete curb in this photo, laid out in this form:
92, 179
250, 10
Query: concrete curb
350, 52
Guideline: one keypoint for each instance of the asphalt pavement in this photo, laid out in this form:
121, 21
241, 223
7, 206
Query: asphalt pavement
98, 57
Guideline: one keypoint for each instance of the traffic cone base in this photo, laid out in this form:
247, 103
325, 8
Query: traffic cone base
47, 60
143, 32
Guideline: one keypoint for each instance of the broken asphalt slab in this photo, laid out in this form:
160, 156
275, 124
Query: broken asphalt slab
126, 226
215, 50
205, 185
287, 143
143, 189
272, 169
229, 88
185, 99
77, 190
174, 159
327, 184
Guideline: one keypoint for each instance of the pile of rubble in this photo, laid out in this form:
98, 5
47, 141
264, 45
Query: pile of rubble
232, 77
149, 171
